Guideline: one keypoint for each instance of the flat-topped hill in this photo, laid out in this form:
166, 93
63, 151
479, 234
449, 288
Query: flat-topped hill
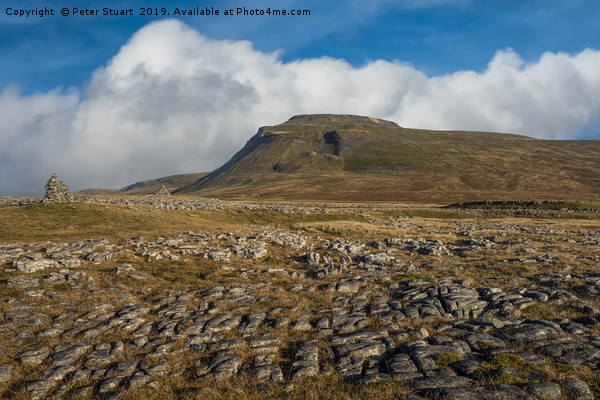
328, 119
347, 157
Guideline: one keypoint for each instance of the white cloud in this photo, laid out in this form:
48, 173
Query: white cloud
554, 98
174, 101
34, 128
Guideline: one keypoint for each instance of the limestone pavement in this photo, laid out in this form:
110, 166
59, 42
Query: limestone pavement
368, 310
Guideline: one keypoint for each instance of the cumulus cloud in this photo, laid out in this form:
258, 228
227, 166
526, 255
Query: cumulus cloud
554, 98
174, 101
33, 130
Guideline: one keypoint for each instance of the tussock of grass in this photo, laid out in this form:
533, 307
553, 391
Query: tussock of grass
331, 387
446, 359
349, 229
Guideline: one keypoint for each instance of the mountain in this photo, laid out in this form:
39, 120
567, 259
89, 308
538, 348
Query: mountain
348, 157
171, 182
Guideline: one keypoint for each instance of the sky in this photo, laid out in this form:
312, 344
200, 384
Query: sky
105, 101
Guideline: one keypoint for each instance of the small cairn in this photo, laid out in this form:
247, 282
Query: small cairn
56, 191
163, 191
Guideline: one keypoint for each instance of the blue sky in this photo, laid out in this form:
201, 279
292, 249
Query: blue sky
93, 98
437, 37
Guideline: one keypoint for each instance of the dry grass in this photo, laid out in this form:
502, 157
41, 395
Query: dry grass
331, 387
350, 230
550, 371
75, 221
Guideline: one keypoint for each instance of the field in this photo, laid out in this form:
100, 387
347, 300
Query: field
130, 298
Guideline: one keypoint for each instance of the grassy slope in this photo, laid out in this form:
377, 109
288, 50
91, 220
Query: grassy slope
147, 187
368, 159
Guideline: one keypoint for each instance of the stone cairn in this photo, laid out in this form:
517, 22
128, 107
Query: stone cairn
56, 191
163, 191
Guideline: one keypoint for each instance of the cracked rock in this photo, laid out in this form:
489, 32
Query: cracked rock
307, 358
578, 389
36, 356
68, 353
544, 390
22, 282
225, 365
5, 373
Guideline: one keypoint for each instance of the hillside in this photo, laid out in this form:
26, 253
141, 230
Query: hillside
344, 157
150, 186
171, 182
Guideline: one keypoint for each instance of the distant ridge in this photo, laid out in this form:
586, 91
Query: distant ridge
171, 182
349, 157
